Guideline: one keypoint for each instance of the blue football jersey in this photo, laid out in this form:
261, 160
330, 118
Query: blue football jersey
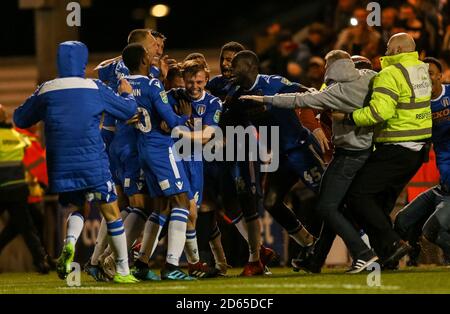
154, 72
207, 109
219, 86
153, 104
110, 74
292, 132
440, 108
113, 72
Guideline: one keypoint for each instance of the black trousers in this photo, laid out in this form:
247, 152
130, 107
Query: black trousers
14, 200
375, 189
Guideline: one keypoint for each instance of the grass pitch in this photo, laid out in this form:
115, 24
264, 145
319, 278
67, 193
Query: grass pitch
283, 280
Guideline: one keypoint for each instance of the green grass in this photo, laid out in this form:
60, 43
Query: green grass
283, 280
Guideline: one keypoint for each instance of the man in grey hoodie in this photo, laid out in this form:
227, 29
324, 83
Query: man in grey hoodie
348, 89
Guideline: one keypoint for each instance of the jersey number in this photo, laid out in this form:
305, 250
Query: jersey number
147, 125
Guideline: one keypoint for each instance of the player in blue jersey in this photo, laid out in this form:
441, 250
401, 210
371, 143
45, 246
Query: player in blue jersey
126, 172
429, 213
174, 78
165, 176
71, 107
297, 157
208, 232
219, 85
161, 63
206, 111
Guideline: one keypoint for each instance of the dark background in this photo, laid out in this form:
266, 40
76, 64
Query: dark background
190, 24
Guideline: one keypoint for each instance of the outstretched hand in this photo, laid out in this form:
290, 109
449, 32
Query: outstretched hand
184, 107
255, 98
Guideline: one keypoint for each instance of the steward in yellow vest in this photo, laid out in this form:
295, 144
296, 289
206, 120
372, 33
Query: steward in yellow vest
12, 149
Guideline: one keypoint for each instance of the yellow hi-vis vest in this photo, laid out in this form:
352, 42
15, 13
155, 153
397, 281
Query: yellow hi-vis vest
400, 104
12, 149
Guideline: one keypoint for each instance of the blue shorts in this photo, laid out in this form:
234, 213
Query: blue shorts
194, 173
302, 161
101, 193
127, 170
164, 175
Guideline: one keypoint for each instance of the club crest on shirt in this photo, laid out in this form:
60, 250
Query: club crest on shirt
201, 109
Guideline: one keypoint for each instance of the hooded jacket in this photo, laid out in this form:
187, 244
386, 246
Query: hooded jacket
349, 90
71, 107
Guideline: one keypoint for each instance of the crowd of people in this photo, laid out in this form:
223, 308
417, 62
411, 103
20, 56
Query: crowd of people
351, 129
298, 54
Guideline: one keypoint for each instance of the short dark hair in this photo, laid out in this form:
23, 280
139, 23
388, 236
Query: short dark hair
232, 46
174, 71
157, 34
132, 56
248, 57
435, 61
137, 35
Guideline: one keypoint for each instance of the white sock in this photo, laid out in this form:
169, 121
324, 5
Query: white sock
191, 247
107, 250
100, 243
176, 235
118, 243
134, 224
75, 224
152, 229
241, 226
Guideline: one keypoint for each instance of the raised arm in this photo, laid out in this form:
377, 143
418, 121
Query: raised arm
31, 111
163, 107
122, 107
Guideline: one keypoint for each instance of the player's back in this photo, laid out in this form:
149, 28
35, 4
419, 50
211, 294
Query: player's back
71, 107
150, 94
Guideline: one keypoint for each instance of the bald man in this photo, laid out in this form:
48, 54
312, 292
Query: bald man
399, 110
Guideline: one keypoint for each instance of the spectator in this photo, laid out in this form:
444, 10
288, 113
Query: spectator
388, 21
315, 73
281, 59
360, 39
343, 14
414, 26
313, 45
14, 193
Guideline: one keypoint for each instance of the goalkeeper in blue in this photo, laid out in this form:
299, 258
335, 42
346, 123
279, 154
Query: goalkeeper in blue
71, 107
